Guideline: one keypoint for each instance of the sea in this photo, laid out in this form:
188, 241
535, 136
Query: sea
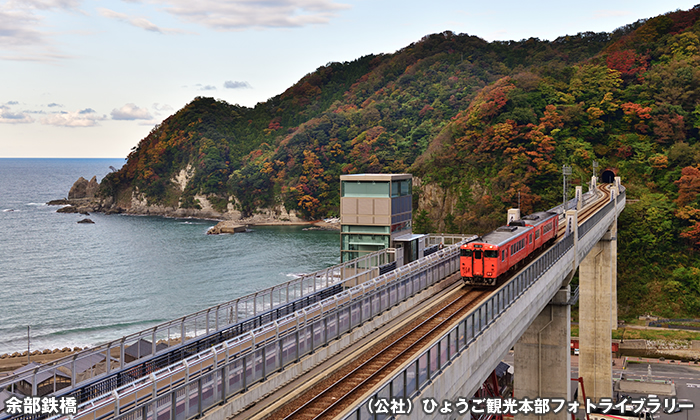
67, 284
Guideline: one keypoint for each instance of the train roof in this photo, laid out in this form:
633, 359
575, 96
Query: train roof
538, 218
503, 234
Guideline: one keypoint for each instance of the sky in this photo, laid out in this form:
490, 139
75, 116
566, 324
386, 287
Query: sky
90, 78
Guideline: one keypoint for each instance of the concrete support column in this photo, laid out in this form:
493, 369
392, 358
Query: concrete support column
613, 245
596, 317
613, 280
543, 356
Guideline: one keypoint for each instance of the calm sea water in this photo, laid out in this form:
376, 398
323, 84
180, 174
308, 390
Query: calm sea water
81, 284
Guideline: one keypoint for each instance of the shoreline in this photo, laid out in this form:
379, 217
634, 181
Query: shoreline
86, 206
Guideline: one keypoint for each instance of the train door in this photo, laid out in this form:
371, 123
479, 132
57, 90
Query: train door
478, 262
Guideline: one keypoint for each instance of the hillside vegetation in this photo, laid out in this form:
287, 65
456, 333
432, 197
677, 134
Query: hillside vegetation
481, 125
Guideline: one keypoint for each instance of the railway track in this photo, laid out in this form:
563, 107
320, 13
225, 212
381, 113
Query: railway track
334, 394
588, 211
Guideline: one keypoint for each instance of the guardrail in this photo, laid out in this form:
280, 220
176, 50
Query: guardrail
586, 226
162, 345
209, 378
409, 381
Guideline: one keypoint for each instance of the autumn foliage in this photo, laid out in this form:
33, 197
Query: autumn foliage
488, 124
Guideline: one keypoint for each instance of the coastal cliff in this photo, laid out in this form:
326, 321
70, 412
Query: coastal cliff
82, 199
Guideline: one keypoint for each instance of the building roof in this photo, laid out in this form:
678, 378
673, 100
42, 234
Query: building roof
6, 395
84, 363
41, 376
375, 177
409, 237
142, 348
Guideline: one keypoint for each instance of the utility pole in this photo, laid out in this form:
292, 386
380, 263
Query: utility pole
28, 346
566, 171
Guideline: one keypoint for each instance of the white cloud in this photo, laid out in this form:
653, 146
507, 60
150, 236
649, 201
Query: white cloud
139, 22
83, 118
9, 117
244, 14
131, 112
162, 108
17, 28
21, 29
51, 4
236, 85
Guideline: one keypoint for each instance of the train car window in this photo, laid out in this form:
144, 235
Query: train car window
477, 255
531, 238
537, 234
503, 255
465, 252
490, 254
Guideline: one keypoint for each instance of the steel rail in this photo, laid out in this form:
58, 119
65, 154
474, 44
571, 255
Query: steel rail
586, 212
416, 344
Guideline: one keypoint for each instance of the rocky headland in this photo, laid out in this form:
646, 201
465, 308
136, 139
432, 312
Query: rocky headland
83, 198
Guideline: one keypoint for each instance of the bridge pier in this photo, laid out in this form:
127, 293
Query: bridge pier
543, 356
598, 315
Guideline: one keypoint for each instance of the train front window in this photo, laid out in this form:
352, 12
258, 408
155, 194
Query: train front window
466, 252
477, 255
490, 254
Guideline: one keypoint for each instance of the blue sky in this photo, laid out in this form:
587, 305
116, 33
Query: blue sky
90, 78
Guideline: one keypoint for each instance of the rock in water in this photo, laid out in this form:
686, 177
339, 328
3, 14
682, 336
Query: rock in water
226, 226
83, 188
88, 221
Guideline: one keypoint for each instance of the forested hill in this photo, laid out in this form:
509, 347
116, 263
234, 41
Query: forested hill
479, 123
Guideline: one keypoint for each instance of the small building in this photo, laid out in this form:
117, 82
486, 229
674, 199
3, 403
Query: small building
376, 213
47, 381
89, 366
5, 395
140, 349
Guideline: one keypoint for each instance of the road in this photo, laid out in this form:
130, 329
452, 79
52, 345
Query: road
686, 378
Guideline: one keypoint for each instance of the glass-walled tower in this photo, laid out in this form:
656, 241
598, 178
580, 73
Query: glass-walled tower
374, 210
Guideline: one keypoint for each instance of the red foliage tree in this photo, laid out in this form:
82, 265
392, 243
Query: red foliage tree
688, 186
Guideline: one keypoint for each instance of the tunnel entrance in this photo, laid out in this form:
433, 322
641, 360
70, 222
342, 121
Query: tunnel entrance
608, 177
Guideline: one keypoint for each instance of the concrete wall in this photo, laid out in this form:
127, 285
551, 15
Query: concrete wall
648, 388
635, 345
543, 358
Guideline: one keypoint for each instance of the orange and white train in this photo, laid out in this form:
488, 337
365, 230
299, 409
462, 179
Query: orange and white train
489, 258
